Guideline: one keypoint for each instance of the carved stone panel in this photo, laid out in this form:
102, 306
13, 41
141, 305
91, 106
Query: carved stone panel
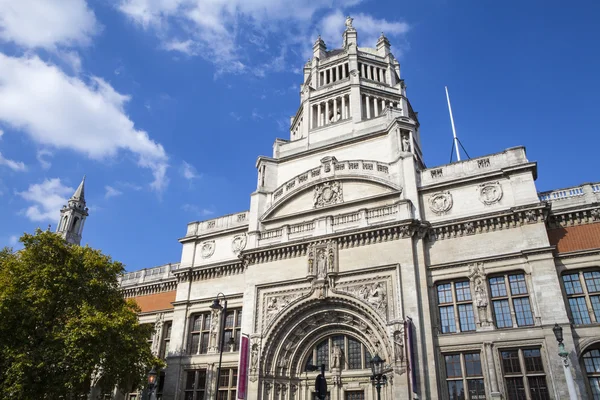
207, 249
239, 243
440, 203
322, 259
276, 304
374, 294
328, 193
490, 193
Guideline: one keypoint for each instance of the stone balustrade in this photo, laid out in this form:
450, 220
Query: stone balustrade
334, 169
331, 224
218, 224
588, 193
148, 275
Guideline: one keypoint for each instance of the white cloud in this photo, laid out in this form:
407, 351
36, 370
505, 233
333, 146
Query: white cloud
188, 171
48, 23
13, 240
60, 111
221, 30
14, 165
111, 192
43, 161
48, 198
1, 133
201, 212
235, 115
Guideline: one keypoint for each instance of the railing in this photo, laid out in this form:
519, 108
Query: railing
337, 168
561, 194
346, 218
271, 234
148, 274
224, 222
302, 227
588, 192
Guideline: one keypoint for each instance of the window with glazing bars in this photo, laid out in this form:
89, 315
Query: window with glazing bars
455, 307
195, 384
524, 375
509, 295
233, 325
583, 295
591, 362
199, 333
354, 354
227, 384
464, 376
166, 339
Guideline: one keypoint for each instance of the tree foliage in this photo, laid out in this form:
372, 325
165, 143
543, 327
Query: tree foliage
63, 321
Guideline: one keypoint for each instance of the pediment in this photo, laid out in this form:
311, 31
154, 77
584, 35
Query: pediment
329, 193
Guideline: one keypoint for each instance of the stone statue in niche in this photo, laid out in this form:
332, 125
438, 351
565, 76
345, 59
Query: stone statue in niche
336, 359
478, 285
213, 344
158, 324
399, 345
406, 143
322, 259
335, 116
254, 361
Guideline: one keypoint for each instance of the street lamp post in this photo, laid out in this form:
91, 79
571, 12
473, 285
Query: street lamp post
564, 355
378, 378
152, 383
217, 306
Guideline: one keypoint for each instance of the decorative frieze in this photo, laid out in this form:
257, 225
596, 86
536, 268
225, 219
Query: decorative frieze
374, 294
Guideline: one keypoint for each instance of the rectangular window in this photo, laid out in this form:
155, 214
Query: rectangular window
463, 370
164, 348
195, 384
227, 384
233, 325
583, 295
454, 299
199, 333
524, 374
506, 303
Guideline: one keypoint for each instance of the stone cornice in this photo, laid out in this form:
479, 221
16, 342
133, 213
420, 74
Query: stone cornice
507, 219
580, 215
151, 288
579, 253
205, 272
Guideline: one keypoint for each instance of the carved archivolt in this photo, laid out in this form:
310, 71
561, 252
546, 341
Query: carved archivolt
440, 203
207, 249
490, 193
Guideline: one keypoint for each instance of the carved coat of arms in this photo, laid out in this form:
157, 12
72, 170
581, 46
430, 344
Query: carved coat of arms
490, 193
239, 243
328, 193
440, 203
207, 249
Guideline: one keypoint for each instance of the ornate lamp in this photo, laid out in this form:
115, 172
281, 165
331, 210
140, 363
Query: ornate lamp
216, 305
378, 379
558, 333
152, 381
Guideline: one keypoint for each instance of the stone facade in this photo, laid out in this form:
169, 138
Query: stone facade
455, 275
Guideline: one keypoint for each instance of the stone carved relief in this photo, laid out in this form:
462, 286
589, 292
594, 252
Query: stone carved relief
406, 143
254, 351
239, 243
336, 357
276, 304
158, 324
322, 259
213, 343
374, 294
399, 345
480, 294
207, 249
440, 203
328, 193
490, 193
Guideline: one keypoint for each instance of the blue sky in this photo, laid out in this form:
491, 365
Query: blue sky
165, 105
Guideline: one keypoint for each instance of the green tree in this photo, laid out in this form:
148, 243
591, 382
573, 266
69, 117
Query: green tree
63, 320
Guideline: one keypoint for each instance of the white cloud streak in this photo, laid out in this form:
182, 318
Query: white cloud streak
188, 171
40, 156
61, 111
48, 198
47, 24
193, 209
14, 165
111, 192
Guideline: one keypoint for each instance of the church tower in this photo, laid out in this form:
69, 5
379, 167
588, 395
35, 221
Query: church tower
73, 215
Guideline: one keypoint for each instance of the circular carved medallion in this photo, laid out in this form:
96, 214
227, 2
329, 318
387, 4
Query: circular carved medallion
490, 193
239, 243
207, 249
441, 203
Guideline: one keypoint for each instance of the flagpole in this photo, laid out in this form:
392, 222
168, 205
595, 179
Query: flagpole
452, 122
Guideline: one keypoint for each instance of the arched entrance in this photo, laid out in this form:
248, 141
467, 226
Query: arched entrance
337, 331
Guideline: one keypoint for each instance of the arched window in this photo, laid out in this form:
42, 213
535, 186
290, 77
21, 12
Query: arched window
75, 224
591, 363
352, 354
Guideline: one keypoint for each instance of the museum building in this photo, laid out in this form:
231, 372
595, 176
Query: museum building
459, 276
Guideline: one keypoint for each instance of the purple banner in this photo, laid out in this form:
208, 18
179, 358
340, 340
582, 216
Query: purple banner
243, 367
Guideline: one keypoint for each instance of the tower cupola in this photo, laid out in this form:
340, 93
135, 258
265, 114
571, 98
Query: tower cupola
73, 215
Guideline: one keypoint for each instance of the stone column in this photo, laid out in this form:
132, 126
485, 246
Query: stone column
311, 121
375, 107
382, 105
344, 113
318, 114
367, 101
334, 108
326, 112
491, 367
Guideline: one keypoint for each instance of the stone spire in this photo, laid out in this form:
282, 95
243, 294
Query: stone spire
73, 215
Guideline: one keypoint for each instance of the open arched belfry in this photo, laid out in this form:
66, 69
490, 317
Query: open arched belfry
351, 247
